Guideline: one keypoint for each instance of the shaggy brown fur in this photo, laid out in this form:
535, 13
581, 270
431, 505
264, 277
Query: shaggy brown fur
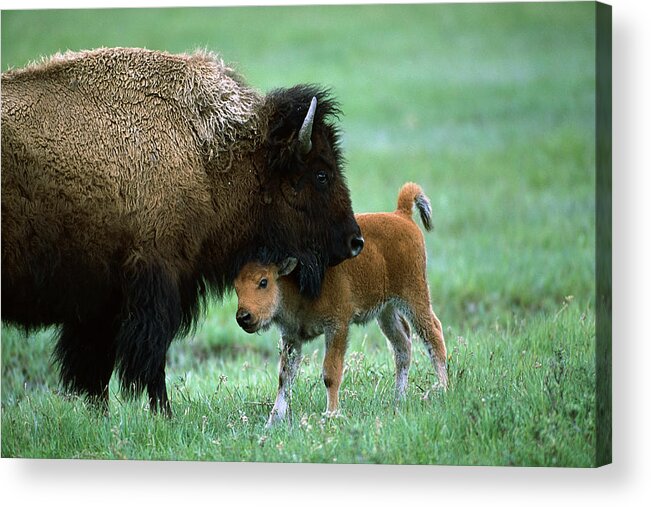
135, 181
387, 281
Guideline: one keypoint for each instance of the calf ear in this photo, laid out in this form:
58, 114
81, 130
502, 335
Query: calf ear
287, 266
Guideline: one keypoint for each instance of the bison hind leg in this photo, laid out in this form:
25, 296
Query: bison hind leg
85, 353
151, 318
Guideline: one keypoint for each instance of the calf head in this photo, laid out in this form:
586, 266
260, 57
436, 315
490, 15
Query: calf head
311, 216
258, 293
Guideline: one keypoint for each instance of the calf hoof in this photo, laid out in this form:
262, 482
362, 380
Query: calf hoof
274, 419
442, 373
330, 414
401, 390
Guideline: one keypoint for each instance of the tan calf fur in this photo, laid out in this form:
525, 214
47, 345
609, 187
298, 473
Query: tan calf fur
387, 281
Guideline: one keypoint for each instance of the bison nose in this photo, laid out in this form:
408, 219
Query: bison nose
243, 317
356, 244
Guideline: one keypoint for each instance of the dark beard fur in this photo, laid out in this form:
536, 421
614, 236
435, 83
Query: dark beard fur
311, 270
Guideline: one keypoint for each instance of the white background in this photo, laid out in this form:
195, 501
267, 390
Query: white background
626, 482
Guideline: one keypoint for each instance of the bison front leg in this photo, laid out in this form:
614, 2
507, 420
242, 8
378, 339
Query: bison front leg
157, 391
290, 358
151, 320
85, 352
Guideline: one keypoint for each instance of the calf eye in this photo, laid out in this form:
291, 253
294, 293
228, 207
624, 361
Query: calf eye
322, 178
263, 283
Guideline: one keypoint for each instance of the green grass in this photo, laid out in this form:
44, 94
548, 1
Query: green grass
491, 109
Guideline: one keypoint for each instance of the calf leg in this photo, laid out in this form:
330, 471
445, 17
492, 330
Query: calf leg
333, 366
396, 329
290, 358
428, 327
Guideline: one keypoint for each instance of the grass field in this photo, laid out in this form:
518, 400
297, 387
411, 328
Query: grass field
491, 109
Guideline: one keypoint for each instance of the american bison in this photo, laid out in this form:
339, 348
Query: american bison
387, 282
135, 183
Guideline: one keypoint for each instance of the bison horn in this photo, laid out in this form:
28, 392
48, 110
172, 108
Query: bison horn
305, 134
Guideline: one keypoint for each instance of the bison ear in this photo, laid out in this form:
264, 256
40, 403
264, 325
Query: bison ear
287, 266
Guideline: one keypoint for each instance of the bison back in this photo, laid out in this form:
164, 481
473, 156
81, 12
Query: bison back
103, 163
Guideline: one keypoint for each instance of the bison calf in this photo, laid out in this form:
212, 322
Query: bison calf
387, 281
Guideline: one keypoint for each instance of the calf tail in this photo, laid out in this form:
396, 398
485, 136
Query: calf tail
411, 194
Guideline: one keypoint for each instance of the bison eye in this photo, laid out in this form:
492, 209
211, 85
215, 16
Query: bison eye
322, 178
263, 283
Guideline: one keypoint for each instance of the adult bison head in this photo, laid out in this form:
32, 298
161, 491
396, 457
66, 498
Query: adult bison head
309, 201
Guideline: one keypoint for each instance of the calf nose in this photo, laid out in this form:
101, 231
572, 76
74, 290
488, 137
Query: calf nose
355, 244
243, 317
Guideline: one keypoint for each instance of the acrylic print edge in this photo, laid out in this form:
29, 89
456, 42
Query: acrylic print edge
603, 257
